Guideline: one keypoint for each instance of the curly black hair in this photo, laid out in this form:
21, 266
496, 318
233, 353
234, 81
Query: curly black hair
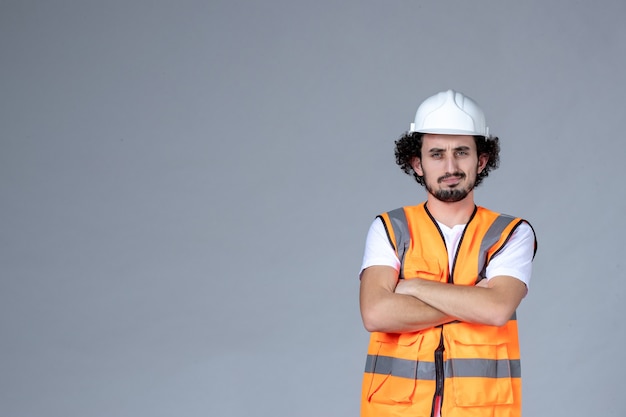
409, 146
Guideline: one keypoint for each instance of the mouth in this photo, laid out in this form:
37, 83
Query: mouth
451, 179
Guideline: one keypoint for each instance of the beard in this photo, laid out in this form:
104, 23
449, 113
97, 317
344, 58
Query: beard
449, 195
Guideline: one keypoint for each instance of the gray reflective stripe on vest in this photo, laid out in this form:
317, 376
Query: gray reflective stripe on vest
402, 368
453, 368
491, 237
400, 228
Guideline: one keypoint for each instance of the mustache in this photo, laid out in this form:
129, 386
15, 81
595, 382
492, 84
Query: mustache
458, 174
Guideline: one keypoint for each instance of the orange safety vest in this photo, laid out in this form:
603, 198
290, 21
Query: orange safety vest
474, 368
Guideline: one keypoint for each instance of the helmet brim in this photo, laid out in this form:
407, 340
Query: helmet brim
449, 132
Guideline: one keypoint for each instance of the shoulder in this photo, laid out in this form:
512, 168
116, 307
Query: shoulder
516, 228
517, 221
401, 214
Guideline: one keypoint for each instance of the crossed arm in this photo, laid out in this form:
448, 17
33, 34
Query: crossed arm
390, 305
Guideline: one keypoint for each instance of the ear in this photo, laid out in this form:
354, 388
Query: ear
482, 162
416, 164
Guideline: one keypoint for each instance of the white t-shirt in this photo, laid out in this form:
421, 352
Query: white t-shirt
514, 260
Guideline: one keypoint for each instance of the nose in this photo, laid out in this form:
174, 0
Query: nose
450, 164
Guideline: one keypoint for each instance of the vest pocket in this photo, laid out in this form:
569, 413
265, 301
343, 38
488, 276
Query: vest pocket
478, 366
394, 373
425, 268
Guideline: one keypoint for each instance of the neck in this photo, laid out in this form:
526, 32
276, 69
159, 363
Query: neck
451, 214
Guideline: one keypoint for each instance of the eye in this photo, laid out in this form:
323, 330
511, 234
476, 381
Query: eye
435, 155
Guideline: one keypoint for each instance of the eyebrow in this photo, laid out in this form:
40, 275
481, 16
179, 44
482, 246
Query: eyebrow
458, 148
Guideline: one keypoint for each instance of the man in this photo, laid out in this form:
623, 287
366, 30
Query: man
440, 281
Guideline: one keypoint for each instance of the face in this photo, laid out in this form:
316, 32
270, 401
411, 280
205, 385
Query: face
449, 165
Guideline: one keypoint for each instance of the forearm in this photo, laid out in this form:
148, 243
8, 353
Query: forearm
465, 303
491, 305
399, 313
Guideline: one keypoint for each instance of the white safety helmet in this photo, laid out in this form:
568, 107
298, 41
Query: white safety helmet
450, 113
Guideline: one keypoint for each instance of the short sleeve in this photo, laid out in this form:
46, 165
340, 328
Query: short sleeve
378, 249
515, 259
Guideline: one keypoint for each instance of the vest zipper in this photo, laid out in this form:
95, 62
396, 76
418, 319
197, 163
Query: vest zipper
439, 375
439, 368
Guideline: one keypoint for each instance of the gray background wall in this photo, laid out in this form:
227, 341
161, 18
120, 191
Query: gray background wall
186, 187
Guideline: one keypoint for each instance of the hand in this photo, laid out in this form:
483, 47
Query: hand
483, 283
408, 286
